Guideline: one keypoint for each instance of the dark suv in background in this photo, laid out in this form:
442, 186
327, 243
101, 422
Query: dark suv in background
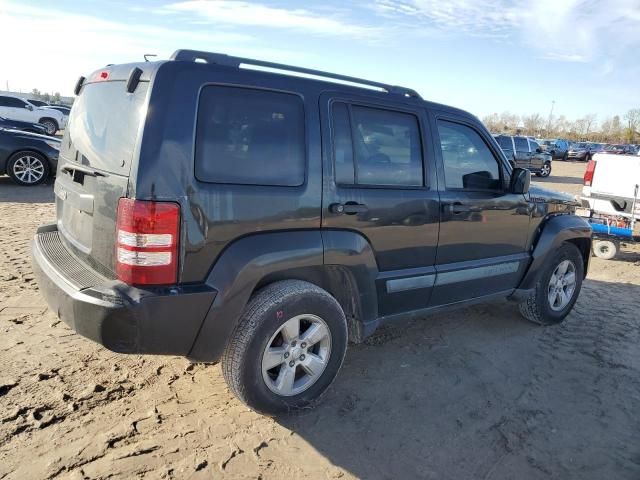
523, 152
558, 148
263, 219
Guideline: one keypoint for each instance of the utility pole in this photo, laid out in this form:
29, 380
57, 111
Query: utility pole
553, 102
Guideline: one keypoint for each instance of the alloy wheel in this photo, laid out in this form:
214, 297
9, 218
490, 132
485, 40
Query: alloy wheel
562, 285
296, 355
28, 169
546, 170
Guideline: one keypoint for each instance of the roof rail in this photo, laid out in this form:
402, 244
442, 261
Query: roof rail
230, 61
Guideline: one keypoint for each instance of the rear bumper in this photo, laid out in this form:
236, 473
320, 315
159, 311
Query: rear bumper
122, 318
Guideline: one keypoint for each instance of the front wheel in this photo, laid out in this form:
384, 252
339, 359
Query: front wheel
545, 171
50, 125
287, 348
28, 168
557, 288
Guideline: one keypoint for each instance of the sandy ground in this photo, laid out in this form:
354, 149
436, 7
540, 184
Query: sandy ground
474, 393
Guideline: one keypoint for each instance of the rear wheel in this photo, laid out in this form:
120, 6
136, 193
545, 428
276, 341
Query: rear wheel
287, 347
605, 249
28, 168
557, 288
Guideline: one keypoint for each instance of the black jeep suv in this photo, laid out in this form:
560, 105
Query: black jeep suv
265, 217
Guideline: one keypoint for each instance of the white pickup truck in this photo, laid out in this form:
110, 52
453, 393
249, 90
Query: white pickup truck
610, 198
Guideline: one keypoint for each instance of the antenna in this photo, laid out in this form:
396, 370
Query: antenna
149, 55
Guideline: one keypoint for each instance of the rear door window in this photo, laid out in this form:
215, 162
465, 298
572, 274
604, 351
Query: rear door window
521, 144
373, 146
250, 137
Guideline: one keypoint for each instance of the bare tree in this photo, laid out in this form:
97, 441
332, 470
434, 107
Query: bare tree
616, 129
510, 122
492, 122
532, 124
633, 123
589, 122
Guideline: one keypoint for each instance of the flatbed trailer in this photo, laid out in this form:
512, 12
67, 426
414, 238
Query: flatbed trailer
612, 230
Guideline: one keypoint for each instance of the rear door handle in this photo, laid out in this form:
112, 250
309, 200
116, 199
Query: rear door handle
348, 208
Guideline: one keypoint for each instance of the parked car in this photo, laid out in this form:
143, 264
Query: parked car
61, 108
523, 152
29, 159
558, 148
620, 149
597, 148
23, 126
37, 103
292, 215
16, 108
580, 151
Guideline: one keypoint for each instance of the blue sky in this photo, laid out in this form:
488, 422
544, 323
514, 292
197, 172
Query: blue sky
484, 56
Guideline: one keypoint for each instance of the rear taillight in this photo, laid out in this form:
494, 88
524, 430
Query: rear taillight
588, 174
147, 242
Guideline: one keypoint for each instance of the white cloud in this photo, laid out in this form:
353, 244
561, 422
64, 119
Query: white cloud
561, 30
241, 13
60, 46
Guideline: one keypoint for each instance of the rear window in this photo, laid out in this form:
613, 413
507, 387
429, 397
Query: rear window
104, 125
250, 137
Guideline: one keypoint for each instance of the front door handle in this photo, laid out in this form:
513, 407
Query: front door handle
349, 208
458, 208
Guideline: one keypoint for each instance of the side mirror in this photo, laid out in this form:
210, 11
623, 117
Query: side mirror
28, 106
538, 150
520, 181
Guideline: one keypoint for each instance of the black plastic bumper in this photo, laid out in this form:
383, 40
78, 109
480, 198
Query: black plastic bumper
122, 318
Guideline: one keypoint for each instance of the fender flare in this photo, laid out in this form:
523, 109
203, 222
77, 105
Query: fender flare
553, 233
345, 265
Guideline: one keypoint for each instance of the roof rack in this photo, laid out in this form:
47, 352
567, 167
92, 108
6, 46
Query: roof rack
230, 61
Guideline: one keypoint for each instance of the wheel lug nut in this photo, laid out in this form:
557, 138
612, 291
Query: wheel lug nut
286, 354
303, 345
293, 344
292, 363
301, 357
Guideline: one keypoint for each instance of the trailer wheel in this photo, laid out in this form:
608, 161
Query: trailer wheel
605, 249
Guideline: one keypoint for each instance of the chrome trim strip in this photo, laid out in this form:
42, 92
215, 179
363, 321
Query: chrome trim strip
411, 283
447, 278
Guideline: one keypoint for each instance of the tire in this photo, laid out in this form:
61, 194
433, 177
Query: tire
261, 328
538, 307
605, 249
565, 157
546, 172
28, 168
50, 124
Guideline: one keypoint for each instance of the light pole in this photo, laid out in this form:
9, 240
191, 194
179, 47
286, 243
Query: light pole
553, 102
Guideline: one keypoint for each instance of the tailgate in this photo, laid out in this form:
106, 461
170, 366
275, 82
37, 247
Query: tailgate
95, 161
616, 175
